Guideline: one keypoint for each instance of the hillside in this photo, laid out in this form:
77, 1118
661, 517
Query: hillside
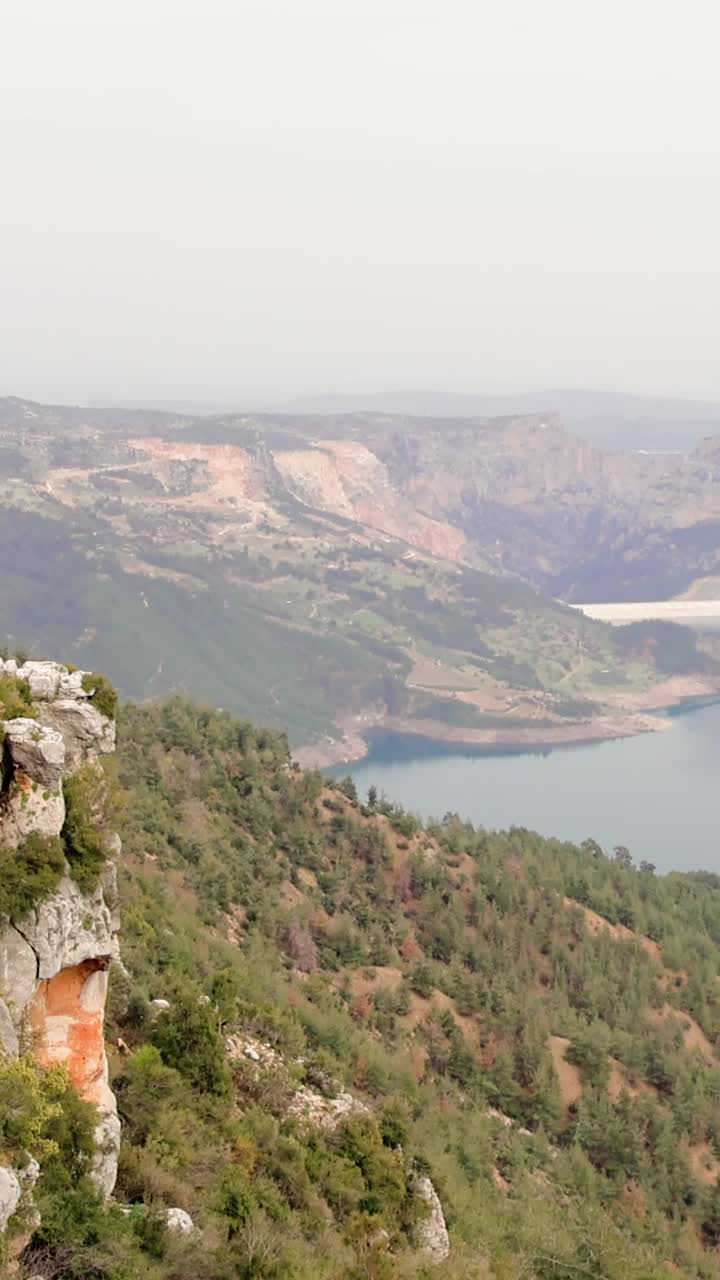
330, 575
347, 1004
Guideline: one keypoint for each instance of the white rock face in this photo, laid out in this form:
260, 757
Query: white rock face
18, 972
10, 1193
43, 678
180, 1222
86, 733
34, 765
8, 1036
70, 684
431, 1235
72, 926
107, 1148
14, 1183
38, 751
27, 809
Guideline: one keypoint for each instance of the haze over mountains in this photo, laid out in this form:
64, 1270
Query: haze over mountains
608, 419
331, 572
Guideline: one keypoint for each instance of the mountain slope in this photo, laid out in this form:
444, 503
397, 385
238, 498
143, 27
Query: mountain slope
338, 581
358, 1021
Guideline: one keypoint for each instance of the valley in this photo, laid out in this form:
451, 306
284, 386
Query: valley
334, 575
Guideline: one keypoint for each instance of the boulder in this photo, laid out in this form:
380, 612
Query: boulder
86, 733
36, 750
431, 1233
179, 1222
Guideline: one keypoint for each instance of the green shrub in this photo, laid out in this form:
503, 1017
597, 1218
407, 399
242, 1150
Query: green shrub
70, 1130
151, 1231
29, 1101
83, 831
15, 698
29, 874
188, 1038
103, 694
235, 1202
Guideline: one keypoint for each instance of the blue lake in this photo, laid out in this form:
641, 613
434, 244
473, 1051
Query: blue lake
658, 793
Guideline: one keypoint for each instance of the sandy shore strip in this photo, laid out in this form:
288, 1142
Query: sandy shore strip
687, 612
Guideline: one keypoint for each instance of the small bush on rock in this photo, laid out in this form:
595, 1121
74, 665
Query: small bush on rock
29, 874
83, 831
15, 698
103, 694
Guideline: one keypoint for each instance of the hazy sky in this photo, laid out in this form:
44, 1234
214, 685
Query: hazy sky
204, 196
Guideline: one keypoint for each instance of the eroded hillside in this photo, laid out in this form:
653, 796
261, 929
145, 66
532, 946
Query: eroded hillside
336, 582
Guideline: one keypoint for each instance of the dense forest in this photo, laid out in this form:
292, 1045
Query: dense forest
534, 1025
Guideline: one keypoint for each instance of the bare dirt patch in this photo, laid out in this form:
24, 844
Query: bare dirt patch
422, 1006
693, 1034
568, 1075
380, 978
595, 924
618, 1083
703, 1162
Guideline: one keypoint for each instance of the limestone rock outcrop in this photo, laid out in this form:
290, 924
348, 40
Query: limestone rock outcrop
32, 771
55, 959
87, 733
72, 927
431, 1233
14, 1184
10, 1193
179, 1222
40, 753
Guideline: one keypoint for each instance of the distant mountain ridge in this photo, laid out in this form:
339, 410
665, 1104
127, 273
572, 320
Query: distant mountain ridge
608, 419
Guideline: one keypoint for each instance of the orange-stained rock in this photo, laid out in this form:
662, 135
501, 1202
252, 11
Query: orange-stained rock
66, 1018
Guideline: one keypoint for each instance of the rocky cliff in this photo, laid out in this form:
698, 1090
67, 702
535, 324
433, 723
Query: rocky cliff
58, 933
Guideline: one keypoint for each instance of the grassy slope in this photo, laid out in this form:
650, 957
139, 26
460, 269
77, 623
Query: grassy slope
435, 973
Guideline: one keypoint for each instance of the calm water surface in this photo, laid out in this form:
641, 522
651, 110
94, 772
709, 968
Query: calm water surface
659, 793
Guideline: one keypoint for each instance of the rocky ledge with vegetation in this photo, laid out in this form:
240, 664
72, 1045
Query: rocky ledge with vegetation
58, 929
348, 1046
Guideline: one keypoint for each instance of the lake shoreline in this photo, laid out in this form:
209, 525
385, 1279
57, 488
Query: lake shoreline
652, 713
655, 793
